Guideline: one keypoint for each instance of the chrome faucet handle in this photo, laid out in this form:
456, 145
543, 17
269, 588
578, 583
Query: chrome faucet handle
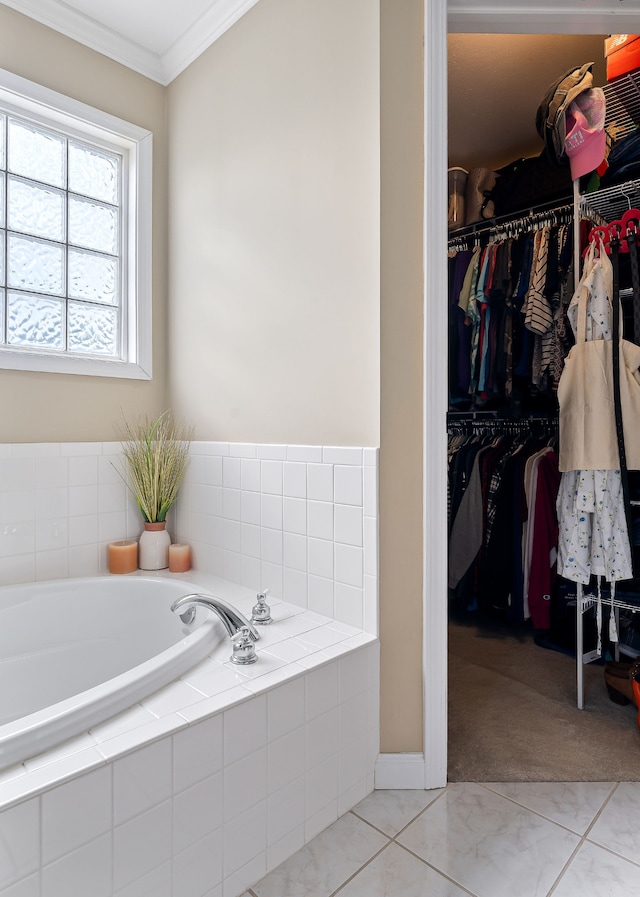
243, 647
261, 613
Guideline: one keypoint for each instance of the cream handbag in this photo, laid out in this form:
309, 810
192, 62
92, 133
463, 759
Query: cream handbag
587, 428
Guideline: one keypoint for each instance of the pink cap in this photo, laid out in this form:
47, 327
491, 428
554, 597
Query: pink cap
585, 143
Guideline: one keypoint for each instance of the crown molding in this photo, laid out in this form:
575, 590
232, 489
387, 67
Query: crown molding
208, 28
163, 68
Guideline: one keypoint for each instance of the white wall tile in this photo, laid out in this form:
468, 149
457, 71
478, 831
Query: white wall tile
51, 534
82, 470
17, 538
272, 545
286, 759
197, 752
86, 870
231, 473
232, 535
198, 867
245, 729
83, 530
342, 455
320, 515
348, 485
51, 473
370, 529
272, 511
141, 845
321, 558
27, 887
83, 499
294, 552
322, 787
245, 784
52, 565
353, 675
349, 606
304, 453
271, 577
250, 475
370, 491
272, 477
242, 449
75, 813
250, 508
250, 540
294, 479
321, 595
19, 841
348, 525
17, 474
285, 708
141, 780
348, 565
322, 738
231, 504
52, 503
320, 482
295, 586
294, 515
285, 810
112, 526
157, 883
244, 837
273, 452
321, 690
197, 811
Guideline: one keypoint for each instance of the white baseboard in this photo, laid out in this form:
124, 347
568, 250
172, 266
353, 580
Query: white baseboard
401, 771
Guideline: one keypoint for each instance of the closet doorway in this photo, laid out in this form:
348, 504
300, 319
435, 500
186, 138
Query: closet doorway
566, 18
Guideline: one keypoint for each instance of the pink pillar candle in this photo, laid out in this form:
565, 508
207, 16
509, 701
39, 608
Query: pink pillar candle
179, 558
123, 557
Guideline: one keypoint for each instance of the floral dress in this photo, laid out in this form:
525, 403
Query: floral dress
593, 538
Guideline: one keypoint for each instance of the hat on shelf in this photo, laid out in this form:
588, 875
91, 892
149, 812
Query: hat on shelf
550, 117
585, 142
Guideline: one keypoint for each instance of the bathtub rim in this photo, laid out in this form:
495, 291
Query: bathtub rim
96, 704
82, 754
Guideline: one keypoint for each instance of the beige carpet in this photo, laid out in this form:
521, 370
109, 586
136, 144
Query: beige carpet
513, 714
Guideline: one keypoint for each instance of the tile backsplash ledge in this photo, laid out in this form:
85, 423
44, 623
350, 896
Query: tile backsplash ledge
301, 521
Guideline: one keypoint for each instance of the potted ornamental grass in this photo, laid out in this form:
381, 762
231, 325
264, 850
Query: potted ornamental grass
156, 458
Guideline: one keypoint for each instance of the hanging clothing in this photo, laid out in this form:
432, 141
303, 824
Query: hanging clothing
592, 538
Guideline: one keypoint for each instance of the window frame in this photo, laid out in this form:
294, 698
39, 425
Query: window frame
78, 120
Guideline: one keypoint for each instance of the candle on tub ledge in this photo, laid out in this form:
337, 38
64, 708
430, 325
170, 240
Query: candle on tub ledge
123, 556
179, 558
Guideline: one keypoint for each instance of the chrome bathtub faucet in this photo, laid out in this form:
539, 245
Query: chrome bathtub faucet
242, 633
261, 613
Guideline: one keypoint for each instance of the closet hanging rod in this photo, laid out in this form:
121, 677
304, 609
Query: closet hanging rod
522, 219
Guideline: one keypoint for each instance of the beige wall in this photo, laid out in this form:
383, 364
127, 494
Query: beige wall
401, 26
274, 227
281, 326
54, 407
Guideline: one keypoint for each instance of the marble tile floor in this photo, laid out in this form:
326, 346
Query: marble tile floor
578, 839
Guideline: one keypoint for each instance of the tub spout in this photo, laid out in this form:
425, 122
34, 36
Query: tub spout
240, 630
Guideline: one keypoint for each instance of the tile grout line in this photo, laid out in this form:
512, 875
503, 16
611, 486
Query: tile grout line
548, 818
393, 840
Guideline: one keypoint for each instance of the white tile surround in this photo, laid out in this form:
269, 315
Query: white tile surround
202, 789
299, 520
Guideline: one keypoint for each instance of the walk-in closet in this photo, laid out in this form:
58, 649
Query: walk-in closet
528, 647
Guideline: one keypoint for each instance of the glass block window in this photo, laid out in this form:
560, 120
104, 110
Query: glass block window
75, 201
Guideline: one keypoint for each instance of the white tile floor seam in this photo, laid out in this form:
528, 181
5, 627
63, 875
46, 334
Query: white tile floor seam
474, 840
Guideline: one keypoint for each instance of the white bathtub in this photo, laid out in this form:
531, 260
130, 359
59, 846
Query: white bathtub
75, 652
211, 780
